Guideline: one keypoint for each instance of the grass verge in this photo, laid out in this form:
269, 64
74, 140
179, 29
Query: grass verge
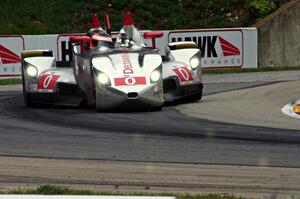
249, 70
10, 81
56, 190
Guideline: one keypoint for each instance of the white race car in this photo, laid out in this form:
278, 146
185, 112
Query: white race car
109, 74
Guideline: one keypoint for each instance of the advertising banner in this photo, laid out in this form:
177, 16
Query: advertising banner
64, 51
10, 55
220, 48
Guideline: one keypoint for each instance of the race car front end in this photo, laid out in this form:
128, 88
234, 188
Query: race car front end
43, 83
182, 75
174, 91
129, 81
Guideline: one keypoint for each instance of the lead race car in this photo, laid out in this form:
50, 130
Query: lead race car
107, 74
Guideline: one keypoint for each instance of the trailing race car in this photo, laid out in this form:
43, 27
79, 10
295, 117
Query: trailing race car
107, 74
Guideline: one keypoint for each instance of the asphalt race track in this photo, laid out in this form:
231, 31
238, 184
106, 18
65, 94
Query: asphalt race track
163, 136
166, 136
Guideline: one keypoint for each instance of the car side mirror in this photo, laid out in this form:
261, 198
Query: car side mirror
153, 36
81, 40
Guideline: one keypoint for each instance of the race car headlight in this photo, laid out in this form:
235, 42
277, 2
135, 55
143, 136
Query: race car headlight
102, 78
155, 76
31, 70
195, 62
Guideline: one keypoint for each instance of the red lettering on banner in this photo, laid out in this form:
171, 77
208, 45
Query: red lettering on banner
183, 73
123, 81
48, 81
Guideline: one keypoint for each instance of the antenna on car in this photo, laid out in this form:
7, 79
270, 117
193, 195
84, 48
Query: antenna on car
107, 22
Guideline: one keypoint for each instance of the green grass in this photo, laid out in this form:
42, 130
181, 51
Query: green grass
56, 190
249, 70
10, 81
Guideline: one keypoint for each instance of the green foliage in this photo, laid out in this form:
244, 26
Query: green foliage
51, 190
71, 16
262, 7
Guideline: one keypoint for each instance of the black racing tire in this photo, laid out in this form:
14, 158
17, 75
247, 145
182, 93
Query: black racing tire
100, 109
193, 98
28, 100
26, 96
91, 92
157, 108
196, 97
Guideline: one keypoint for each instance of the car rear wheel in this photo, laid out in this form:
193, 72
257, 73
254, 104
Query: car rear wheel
28, 100
194, 97
197, 97
157, 108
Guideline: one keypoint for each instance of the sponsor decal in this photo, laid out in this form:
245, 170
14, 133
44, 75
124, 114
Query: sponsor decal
127, 64
129, 81
183, 73
48, 81
218, 48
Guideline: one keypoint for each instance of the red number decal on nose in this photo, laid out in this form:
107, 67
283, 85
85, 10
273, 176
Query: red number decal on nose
122, 81
183, 73
48, 81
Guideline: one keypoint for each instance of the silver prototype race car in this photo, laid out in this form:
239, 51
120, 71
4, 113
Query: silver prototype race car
109, 74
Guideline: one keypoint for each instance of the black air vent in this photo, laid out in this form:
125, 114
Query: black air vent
132, 95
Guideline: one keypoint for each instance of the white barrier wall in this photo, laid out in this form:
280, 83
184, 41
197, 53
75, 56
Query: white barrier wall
220, 48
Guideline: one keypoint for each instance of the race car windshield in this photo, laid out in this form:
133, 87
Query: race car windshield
100, 38
99, 32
